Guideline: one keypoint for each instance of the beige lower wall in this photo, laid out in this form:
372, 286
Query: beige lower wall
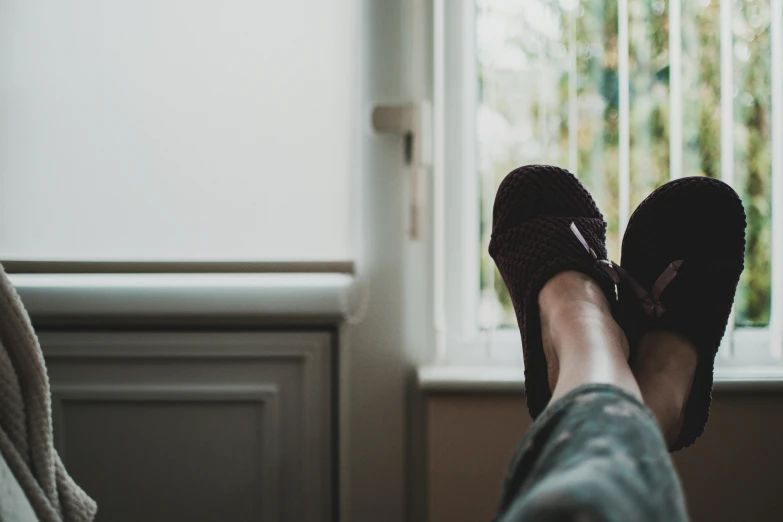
734, 472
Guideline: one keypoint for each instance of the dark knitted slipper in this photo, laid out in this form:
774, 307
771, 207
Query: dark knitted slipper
544, 222
684, 248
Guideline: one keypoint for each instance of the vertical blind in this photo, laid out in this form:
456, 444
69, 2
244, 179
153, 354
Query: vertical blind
176, 130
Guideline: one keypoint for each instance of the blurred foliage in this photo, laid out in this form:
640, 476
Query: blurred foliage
530, 53
752, 152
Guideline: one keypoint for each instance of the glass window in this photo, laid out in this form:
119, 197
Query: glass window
550, 90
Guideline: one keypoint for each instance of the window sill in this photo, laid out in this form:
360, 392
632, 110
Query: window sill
505, 379
310, 296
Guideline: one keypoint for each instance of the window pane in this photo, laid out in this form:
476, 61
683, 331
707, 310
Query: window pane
648, 32
701, 124
752, 152
598, 110
523, 67
550, 93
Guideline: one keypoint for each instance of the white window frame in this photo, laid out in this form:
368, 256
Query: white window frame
746, 353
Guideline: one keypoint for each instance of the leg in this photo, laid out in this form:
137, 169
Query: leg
582, 342
596, 452
664, 366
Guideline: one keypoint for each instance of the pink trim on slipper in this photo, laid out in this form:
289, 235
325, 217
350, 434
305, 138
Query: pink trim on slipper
650, 301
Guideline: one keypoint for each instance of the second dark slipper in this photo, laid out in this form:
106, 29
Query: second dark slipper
684, 249
544, 222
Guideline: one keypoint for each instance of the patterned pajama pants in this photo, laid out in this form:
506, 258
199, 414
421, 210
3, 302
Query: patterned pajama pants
596, 455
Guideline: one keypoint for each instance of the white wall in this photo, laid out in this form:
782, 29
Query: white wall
177, 129
383, 459
378, 355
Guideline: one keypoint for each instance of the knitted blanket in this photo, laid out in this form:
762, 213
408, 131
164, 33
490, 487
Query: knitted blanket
26, 439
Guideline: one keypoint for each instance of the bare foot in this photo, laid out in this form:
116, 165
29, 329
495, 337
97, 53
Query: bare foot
582, 342
664, 368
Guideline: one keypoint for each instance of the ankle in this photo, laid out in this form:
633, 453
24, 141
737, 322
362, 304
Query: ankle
569, 292
666, 354
667, 341
574, 326
664, 366
662, 395
575, 313
582, 341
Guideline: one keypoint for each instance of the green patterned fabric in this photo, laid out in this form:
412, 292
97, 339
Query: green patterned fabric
596, 455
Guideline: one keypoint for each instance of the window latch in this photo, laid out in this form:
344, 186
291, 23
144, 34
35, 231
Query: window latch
412, 122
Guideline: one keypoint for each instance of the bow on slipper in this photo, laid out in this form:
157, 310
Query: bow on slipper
650, 301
